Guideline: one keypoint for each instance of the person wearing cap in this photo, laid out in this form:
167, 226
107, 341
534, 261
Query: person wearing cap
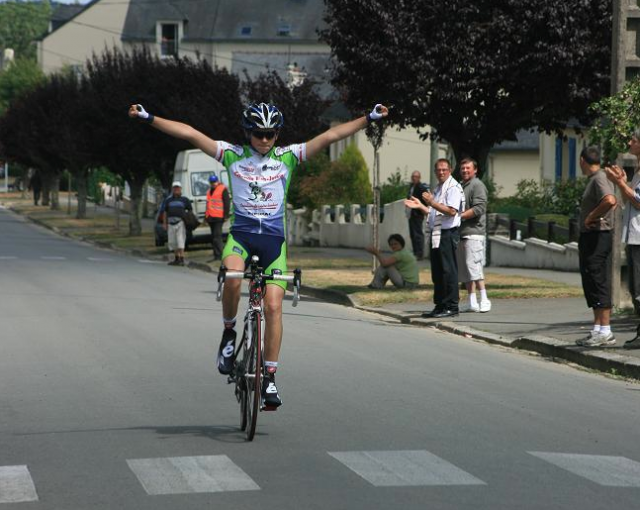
218, 205
174, 208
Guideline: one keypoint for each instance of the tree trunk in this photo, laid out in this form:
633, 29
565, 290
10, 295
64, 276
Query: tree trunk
25, 182
46, 189
135, 222
145, 200
81, 183
55, 192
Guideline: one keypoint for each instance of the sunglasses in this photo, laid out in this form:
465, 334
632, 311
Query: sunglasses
264, 135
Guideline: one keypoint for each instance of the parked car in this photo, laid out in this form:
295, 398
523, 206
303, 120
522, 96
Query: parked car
193, 169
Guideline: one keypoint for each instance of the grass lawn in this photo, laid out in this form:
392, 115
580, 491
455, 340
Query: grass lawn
354, 280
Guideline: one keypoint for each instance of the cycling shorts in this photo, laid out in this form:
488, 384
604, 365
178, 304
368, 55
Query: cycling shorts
271, 251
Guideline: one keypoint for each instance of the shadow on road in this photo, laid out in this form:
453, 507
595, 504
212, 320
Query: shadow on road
223, 433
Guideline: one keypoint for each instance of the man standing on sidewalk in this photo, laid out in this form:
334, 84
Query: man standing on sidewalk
416, 216
218, 204
473, 230
35, 185
444, 207
630, 225
174, 208
595, 247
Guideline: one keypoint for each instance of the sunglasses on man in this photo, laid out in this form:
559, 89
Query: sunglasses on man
264, 135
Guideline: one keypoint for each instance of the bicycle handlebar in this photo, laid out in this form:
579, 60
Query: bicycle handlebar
295, 278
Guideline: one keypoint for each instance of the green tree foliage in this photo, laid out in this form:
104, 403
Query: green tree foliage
356, 181
395, 188
345, 181
618, 117
310, 169
21, 23
476, 71
21, 76
533, 198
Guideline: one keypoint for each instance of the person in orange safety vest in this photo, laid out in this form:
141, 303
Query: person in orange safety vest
218, 205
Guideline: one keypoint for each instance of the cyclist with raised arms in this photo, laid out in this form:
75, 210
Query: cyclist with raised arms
260, 174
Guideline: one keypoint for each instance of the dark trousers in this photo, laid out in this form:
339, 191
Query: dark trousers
594, 250
36, 196
633, 268
444, 271
417, 234
216, 236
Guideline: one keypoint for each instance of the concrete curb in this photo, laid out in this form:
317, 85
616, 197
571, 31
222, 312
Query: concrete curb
603, 360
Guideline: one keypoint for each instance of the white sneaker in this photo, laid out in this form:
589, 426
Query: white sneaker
598, 339
468, 307
485, 306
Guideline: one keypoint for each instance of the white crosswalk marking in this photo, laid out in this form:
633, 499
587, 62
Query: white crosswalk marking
16, 485
601, 469
181, 475
404, 468
53, 258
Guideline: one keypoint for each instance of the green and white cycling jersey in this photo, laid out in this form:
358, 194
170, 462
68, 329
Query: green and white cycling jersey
259, 185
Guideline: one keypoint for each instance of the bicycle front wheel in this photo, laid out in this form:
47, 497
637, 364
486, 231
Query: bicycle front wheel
254, 375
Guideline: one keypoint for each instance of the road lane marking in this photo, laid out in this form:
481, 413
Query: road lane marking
145, 261
404, 468
53, 258
16, 485
604, 470
182, 475
7, 257
99, 259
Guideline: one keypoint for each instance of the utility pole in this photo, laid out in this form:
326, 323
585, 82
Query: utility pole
622, 11
376, 206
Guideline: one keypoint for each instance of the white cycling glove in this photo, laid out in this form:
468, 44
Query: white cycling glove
143, 114
376, 113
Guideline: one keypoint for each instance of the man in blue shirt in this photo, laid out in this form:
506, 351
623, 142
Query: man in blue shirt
174, 209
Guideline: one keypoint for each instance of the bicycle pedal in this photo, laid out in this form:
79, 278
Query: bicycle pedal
231, 379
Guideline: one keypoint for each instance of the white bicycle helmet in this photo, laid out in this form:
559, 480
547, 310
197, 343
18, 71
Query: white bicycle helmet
262, 116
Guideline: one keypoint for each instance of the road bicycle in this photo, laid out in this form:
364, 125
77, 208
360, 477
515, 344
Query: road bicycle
248, 368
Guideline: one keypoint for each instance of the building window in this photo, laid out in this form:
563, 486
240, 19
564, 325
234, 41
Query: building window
284, 30
169, 40
245, 31
559, 154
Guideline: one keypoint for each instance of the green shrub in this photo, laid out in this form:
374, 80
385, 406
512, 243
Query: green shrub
394, 189
345, 181
534, 199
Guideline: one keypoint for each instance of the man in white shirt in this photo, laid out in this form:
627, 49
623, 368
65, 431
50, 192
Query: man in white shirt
630, 225
444, 207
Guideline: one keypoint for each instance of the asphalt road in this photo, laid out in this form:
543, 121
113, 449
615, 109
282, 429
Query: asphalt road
109, 399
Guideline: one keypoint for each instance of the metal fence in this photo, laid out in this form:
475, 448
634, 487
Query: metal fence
548, 230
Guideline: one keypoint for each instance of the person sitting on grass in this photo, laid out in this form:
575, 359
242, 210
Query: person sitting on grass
400, 267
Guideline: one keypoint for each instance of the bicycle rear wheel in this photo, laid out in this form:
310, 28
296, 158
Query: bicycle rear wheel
253, 375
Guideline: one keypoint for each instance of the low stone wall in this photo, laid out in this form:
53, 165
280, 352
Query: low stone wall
534, 253
323, 230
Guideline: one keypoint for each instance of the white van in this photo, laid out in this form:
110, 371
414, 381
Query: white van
193, 169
